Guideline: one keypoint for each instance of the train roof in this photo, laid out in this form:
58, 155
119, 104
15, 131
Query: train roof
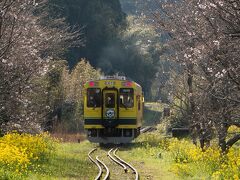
112, 78
115, 77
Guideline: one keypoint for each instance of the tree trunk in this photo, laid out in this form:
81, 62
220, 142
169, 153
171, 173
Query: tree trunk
222, 134
233, 140
192, 116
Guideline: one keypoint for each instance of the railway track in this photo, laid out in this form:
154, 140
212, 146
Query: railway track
121, 162
147, 129
96, 162
103, 169
111, 154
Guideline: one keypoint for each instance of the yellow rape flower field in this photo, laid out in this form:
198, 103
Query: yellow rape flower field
20, 154
189, 161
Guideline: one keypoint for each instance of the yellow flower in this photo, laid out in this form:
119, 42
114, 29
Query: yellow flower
20, 151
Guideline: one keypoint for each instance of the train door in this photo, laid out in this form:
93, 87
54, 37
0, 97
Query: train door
110, 108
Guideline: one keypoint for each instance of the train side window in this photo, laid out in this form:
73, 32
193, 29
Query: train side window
110, 100
93, 97
139, 103
126, 98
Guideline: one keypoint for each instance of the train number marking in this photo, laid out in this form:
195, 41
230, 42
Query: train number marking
110, 83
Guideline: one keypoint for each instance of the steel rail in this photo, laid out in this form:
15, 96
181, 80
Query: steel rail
145, 129
97, 164
107, 170
116, 161
129, 165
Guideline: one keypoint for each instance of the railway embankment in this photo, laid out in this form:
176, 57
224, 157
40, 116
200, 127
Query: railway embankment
71, 161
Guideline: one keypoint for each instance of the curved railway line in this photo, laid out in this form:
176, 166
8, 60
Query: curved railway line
106, 168
116, 159
96, 163
111, 154
122, 162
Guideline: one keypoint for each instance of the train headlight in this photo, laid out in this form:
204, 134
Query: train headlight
110, 113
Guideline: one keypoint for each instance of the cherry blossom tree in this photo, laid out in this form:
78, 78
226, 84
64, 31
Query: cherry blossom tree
28, 42
203, 36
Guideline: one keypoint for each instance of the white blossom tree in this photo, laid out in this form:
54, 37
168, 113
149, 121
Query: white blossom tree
28, 42
203, 36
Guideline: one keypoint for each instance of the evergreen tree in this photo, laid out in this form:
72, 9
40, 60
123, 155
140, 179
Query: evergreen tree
100, 20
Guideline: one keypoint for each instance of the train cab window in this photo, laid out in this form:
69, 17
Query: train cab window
109, 100
126, 97
93, 97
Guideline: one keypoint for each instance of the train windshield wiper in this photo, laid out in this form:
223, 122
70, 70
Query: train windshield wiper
124, 105
94, 105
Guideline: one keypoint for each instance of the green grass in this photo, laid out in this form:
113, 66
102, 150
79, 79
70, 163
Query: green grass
70, 162
151, 164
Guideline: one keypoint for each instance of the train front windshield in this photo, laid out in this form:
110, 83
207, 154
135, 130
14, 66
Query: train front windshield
94, 97
126, 98
110, 100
